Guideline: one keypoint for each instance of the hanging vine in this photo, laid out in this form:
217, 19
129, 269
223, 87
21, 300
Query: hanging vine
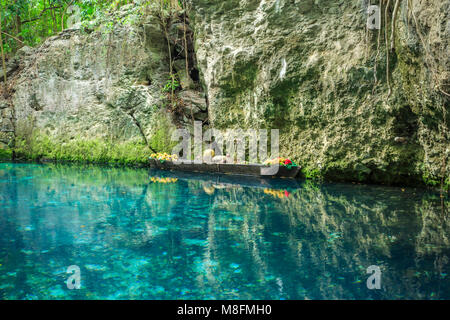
390, 30
380, 3
438, 74
386, 21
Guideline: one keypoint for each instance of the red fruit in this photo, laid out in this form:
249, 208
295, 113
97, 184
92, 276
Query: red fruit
287, 161
286, 193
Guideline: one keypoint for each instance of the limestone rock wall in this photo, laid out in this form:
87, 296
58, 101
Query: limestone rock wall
306, 67
100, 82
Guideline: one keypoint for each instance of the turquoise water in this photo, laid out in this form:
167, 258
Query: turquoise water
137, 234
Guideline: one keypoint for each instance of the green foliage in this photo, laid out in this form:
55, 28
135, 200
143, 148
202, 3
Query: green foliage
5, 154
435, 182
161, 138
171, 84
29, 22
312, 173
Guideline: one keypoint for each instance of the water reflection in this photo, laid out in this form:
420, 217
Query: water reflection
159, 235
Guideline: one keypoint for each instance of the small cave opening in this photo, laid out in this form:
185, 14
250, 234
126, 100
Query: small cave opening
148, 79
195, 75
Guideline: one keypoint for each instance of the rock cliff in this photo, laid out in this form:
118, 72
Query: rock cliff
95, 92
349, 104
312, 70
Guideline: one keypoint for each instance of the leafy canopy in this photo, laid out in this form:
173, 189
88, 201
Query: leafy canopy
29, 22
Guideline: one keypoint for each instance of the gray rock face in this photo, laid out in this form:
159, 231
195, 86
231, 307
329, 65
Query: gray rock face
103, 82
87, 84
94, 85
308, 69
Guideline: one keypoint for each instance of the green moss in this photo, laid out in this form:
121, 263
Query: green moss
35, 144
345, 171
242, 78
435, 182
312, 173
161, 137
41, 147
5, 154
283, 96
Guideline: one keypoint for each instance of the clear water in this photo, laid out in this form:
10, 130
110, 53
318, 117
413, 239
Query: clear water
205, 237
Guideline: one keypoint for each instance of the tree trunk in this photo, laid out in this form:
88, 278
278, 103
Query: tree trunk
55, 23
3, 54
19, 31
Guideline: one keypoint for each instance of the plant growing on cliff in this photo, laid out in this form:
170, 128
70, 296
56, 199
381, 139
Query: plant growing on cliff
166, 13
171, 85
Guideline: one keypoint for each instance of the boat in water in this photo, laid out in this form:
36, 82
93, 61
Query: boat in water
254, 170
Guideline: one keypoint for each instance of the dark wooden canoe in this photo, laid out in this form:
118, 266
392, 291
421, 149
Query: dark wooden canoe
256, 170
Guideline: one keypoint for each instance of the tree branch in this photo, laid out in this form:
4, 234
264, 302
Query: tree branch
9, 35
41, 14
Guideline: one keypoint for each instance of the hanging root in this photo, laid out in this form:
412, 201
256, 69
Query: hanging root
366, 49
428, 57
386, 12
394, 18
378, 52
